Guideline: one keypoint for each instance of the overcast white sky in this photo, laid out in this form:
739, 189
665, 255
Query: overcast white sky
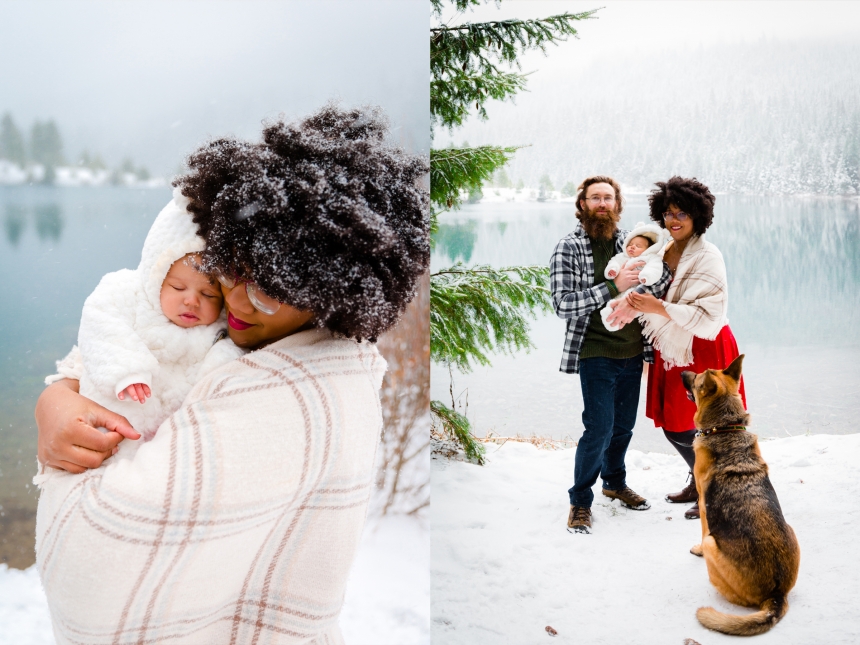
625, 28
151, 79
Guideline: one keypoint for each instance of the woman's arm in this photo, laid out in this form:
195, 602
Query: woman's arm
67, 422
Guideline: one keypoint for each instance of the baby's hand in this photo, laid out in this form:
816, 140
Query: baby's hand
642, 279
613, 273
137, 391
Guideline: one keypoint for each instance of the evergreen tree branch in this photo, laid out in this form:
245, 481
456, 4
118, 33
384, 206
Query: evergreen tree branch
465, 61
456, 426
451, 99
453, 170
474, 46
479, 310
460, 5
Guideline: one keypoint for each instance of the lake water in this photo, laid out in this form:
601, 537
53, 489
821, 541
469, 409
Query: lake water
794, 306
55, 245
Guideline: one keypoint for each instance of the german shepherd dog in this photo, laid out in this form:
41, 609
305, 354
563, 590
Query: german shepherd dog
751, 552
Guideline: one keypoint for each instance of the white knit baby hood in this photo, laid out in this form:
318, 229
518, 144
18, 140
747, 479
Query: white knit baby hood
658, 235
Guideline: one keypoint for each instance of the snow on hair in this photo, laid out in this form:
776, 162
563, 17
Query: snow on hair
322, 214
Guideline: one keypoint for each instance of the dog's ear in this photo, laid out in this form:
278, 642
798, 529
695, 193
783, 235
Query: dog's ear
709, 384
734, 370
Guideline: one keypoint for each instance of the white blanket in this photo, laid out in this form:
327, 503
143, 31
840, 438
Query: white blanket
238, 522
697, 302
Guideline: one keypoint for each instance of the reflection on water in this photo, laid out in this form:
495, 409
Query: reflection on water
49, 221
46, 216
57, 244
794, 306
14, 221
456, 241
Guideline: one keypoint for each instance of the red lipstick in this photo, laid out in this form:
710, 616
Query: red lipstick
235, 323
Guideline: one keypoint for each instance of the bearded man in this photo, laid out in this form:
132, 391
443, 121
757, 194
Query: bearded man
609, 363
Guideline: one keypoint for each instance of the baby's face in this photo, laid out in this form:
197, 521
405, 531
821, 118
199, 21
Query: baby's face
636, 246
188, 297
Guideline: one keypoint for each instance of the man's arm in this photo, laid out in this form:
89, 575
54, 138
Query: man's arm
567, 302
67, 422
661, 286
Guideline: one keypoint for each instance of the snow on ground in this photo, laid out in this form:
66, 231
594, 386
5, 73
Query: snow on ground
388, 596
387, 599
503, 566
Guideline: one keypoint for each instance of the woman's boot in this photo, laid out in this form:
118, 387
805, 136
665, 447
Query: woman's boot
689, 494
692, 513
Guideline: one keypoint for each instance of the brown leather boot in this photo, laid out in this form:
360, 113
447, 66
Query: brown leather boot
689, 494
693, 513
579, 520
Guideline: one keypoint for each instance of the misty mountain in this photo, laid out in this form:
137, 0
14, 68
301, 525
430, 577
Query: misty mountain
764, 117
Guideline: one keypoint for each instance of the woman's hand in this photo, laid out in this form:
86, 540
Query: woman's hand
67, 422
646, 303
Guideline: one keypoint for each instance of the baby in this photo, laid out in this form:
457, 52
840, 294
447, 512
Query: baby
148, 335
645, 243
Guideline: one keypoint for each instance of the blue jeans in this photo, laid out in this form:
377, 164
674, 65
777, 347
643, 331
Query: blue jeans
610, 396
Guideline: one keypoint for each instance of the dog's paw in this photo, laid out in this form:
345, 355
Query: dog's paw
697, 550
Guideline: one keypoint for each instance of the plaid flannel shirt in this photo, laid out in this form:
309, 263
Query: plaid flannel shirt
575, 296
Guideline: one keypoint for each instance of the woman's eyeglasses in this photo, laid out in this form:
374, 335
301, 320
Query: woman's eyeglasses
680, 215
262, 303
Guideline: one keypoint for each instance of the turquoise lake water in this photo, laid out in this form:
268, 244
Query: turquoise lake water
794, 306
55, 245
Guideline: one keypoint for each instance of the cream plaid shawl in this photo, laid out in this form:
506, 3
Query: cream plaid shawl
696, 302
238, 523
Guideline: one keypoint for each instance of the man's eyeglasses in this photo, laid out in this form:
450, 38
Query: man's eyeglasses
262, 303
595, 200
681, 216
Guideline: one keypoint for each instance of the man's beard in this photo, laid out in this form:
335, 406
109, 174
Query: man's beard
599, 226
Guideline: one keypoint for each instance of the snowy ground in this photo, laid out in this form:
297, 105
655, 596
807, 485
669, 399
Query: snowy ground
387, 600
503, 566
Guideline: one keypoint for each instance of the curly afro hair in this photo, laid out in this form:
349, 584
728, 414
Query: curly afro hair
690, 195
322, 214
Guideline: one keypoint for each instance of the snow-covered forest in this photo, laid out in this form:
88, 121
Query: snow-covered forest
758, 118
38, 157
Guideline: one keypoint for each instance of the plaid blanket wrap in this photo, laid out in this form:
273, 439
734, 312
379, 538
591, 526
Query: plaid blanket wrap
238, 522
697, 303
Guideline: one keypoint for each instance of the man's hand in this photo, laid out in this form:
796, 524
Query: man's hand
137, 391
622, 313
67, 422
628, 276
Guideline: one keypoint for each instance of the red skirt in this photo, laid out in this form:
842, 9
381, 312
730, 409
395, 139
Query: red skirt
667, 403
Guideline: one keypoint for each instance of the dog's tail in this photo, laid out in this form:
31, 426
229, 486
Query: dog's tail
770, 612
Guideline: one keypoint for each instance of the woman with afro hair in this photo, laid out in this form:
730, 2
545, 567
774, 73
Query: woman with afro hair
239, 521
688, 327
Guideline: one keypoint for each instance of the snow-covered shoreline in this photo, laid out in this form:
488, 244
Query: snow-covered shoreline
503, 566
12, 174
387, 598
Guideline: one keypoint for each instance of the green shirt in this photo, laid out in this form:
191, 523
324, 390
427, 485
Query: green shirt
599, 341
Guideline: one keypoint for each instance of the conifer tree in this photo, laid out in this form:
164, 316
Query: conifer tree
12, 141
46, 145
478, 310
